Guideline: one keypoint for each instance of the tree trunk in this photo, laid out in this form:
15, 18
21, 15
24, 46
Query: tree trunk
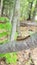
1, 7
15, 19
18, 21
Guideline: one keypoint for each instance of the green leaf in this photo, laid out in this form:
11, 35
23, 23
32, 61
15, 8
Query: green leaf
11, 57
1, 55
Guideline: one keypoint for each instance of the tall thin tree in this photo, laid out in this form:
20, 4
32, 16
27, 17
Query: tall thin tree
15, 18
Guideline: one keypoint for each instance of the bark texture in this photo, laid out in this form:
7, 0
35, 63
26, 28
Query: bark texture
15, 46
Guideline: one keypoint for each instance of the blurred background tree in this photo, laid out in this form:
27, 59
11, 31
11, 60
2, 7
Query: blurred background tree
27, 9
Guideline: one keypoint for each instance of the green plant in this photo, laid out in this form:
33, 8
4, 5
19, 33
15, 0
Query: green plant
5, 29
10, 57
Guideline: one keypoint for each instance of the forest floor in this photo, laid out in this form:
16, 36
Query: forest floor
26, 31
25, 57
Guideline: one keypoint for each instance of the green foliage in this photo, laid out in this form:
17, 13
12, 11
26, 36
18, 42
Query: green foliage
27, 8
10, 57
1, 55
33, 8
6, 26
7, 7
24, 8
4, 19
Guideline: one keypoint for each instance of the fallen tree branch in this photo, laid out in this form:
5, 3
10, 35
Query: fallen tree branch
28, 24
22, 38
15, 46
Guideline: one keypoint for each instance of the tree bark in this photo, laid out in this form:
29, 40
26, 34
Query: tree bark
1, 7
16, 46
15, 19
18, 21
